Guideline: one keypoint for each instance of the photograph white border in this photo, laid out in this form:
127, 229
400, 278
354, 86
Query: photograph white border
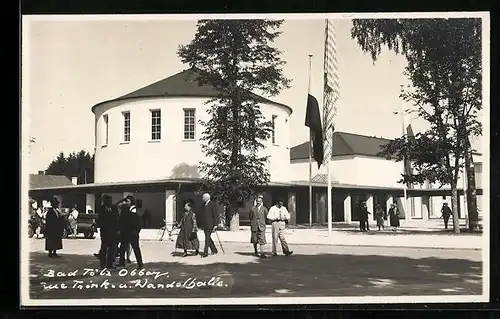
25, 123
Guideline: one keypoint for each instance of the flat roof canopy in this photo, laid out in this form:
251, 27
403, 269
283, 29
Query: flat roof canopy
162, 184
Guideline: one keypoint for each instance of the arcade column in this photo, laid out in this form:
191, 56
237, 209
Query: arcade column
89, 202
170, 206
292, 207
347, 209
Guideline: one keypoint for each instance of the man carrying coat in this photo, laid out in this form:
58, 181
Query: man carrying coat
257, 216
210, 222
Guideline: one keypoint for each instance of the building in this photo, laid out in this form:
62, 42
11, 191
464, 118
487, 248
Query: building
147, 143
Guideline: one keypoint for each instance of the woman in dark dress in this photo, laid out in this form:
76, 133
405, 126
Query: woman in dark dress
394, 217
54, 226
188, 238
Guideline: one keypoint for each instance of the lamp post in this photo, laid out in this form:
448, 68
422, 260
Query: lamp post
403, 132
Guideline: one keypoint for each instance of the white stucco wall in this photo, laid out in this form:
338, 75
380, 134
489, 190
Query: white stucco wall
144, 159
355, 170
367, 171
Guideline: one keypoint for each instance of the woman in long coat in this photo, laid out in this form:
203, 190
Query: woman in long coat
379, 215
394, 217
188, 238
54, 225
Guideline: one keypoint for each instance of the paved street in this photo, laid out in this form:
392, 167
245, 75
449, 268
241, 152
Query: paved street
313, 270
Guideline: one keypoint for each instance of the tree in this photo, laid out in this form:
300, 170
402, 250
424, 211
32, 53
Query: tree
184, 170
234, 57
79, 165
444, 66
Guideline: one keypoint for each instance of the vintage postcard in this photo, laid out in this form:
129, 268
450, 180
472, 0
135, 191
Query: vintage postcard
255, 159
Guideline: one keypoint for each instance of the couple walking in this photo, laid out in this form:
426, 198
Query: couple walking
188, 238
278, 215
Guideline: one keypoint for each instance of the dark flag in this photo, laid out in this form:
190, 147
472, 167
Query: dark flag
313, 121
407, 163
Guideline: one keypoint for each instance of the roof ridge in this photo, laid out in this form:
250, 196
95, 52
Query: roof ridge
349, 147
182, 86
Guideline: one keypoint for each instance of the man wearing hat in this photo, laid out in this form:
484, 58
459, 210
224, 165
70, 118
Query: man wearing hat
278, 215
445, 214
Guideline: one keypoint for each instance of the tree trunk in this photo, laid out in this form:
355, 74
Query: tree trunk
471, 189
234, 224
454, 207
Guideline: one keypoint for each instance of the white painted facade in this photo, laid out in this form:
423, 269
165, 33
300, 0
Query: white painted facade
354, 170
142, 158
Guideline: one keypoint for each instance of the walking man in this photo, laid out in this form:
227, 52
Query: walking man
129, 232
278, 215
445, 214
210, 221
257, 216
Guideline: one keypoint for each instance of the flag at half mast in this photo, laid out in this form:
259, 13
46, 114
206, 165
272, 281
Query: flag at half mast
331, 88
313, 121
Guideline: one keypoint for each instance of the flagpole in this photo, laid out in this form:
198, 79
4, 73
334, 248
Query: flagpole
329, 187
405, 202
310, 149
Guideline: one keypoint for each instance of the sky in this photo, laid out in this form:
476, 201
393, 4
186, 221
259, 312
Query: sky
69, 66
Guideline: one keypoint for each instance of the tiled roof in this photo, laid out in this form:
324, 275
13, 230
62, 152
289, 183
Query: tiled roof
182, 84
345, 144
48, 181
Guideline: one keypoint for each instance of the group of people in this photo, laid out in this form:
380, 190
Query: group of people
278, 216
380, 216
187, 239
394, 216
120, 226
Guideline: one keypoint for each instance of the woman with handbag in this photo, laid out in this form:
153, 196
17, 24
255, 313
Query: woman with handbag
187, 239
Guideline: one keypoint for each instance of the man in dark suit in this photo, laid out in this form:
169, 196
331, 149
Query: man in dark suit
363, 217
108, 219
257, 217
211, 220
130, 227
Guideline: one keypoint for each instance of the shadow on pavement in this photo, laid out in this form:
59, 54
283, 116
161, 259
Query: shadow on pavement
280, 276
407, 231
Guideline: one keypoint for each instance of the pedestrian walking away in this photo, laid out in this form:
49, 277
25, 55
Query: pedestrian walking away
394, 217
54, 227
278, 215
210, 222
257, 217
130, 227
187, 239
446, 213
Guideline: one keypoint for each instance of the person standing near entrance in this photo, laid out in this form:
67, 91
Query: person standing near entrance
55, 224
73, 221
363, 217
379, 215
278, 215
446, 213
129, 232
210, 222
257, 217
394, 217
